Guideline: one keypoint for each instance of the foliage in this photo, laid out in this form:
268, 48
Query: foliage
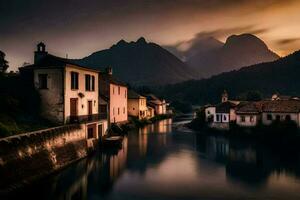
252, 95
199, 122
266, 78
181, 106
3, 62
19, 106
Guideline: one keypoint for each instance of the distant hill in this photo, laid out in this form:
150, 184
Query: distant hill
280, 76
209, 56
141, 63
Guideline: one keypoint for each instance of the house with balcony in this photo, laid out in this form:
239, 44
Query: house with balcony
68, 91
114, 92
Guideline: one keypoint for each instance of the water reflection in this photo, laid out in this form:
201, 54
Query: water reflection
157, 162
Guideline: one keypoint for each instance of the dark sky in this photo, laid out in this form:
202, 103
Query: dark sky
79, 27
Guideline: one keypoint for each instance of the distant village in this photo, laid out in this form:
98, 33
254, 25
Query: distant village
249, 114
71, 93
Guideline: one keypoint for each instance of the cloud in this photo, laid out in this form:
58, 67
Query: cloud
287, 41
217, 34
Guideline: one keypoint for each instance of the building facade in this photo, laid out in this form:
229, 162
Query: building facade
115, 92
68, 92
137, 105
160, 106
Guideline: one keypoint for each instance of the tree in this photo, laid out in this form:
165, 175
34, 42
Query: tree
3, 62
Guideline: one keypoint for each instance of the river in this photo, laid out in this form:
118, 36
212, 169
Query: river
162, 162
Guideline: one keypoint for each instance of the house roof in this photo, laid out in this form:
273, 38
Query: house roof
133, 95
51, 61
250, 107
112, 79
285, 106
225, 107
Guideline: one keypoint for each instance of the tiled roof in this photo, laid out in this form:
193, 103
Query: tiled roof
225, 107
250, 107
286, 106
133, 95
54, 61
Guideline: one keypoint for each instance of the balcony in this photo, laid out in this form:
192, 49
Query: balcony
86, 118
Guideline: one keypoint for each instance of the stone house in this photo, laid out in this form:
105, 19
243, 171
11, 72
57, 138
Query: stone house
115, 93
160, 106
137, 105
68, 91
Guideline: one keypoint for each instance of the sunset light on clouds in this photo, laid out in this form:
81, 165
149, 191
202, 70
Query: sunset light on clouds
79, 28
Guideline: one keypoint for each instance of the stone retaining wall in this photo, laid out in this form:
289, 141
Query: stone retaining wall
29, 156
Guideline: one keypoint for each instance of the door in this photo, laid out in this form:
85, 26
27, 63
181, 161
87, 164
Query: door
73, 107
90, 107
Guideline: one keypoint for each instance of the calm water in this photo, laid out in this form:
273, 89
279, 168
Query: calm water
159, 162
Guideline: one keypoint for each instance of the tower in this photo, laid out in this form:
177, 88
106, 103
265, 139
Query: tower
40, 52
224, 96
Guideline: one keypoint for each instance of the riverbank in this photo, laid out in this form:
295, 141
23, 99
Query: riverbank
28, 157
137, 123
278, 134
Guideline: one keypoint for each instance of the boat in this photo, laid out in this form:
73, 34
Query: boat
113, 141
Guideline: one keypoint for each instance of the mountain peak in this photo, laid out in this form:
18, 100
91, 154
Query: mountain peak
141, 40
247, 39
122, 42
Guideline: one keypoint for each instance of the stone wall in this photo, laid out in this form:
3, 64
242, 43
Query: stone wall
27, 157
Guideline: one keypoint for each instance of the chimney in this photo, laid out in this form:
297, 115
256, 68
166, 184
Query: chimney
109, 70
224, 96
40, 52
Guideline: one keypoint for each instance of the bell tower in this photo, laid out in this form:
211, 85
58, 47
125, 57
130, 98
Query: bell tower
40, 52
224, 96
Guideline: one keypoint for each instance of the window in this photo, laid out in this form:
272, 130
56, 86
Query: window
43, 82
243, 119
208, 112
288, 117
89, 82
90, 132
217, 117
224, 118
251, 119
113, 90
93, 83
74, 80
269, 117
124, 110
119, 90
118, 111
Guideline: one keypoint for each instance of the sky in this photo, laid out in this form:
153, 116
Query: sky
78, 28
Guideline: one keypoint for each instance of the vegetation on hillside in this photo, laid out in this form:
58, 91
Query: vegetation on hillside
267, 78
19, 106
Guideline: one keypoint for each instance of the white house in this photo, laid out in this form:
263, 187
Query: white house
281, 110
249, 114
219, 116
68, 91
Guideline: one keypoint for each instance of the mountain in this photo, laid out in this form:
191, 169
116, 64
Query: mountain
209, 56
280, 76
140, 63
